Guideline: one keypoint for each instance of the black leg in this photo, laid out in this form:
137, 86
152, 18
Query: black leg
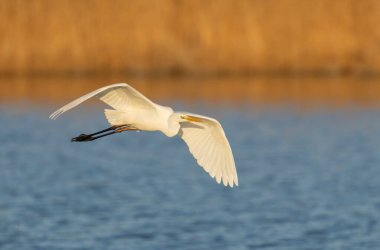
102, 131
106, 134
84, 137
91, 137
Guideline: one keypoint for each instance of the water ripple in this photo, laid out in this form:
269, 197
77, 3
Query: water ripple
306, 182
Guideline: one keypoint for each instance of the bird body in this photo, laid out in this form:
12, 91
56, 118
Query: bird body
155, 119
133, 111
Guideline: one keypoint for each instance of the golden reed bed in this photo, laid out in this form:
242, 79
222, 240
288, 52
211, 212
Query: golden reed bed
190, 36
239, 90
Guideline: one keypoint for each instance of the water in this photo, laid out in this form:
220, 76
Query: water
308, 180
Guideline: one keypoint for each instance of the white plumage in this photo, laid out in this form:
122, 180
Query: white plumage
204, 135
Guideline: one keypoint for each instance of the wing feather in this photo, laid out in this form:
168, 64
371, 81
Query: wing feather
211, 156
210, 147
218, 169
119, 96
207, 145
225, 172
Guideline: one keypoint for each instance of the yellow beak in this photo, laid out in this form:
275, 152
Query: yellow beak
192, 118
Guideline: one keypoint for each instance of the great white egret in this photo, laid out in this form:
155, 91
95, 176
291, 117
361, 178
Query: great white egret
133, 111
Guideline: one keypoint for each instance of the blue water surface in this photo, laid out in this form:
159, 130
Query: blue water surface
307, 180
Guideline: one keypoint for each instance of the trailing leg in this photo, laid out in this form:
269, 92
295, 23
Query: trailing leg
102, 133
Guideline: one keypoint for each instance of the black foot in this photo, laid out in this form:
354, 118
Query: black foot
83, 137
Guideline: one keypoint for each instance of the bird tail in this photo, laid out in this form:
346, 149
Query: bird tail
115, 117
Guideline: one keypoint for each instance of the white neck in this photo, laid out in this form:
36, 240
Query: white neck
173, 125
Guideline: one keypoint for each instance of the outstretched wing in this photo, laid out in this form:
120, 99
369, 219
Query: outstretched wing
209, 145
119, 96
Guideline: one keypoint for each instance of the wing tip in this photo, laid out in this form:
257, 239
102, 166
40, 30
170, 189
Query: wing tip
234, 182
53, 116
56, 114
74, 103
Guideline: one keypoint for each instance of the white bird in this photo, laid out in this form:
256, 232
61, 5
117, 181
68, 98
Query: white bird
133, 111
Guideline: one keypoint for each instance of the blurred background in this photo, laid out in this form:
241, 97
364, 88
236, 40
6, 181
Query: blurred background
49, 46
296, 85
